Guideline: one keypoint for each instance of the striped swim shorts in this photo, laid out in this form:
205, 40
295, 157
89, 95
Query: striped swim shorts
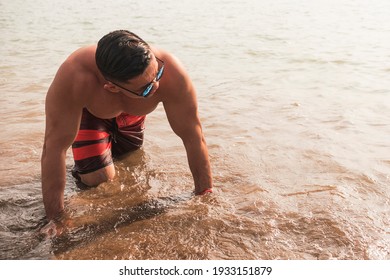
100, 140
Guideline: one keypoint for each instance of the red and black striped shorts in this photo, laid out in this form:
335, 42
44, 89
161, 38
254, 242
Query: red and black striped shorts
99, 140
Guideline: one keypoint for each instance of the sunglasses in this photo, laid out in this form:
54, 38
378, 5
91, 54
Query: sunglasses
148, 87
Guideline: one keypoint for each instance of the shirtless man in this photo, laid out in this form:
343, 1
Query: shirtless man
97, 104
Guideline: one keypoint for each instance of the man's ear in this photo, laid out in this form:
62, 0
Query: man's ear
111, 87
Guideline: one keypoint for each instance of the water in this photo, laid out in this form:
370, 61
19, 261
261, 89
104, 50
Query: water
294, 99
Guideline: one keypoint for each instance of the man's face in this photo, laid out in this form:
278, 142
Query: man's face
145, 84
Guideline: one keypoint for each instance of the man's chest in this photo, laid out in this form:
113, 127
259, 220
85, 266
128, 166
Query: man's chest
107, 105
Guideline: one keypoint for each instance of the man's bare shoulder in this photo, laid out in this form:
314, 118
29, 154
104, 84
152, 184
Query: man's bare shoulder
175, 76
168, 58
81, 62
77, 70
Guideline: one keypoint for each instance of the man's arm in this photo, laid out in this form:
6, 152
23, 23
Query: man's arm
62, 122
182, 112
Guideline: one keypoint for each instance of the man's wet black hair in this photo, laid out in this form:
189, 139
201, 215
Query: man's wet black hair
122, 55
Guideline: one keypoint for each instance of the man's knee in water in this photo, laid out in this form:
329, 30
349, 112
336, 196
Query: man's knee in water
99, 176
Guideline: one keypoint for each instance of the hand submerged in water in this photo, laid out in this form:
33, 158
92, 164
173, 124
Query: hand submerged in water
55, 227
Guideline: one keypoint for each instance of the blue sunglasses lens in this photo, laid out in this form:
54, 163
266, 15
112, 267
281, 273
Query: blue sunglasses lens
159, 74
147, 90
158, 77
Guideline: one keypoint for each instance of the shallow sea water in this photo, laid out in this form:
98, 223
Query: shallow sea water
294, 98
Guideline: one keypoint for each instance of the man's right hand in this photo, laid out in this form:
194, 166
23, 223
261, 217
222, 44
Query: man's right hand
55, 227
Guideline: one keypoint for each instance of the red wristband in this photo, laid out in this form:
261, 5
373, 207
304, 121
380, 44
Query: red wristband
206, 191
